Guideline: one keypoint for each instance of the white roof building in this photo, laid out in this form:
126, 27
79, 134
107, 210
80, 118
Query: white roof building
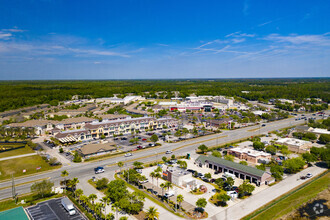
258, 112
295, 145
318, 131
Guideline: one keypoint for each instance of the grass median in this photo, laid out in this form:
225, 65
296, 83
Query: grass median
292, 200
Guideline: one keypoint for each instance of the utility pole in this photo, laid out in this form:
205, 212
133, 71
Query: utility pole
13, 190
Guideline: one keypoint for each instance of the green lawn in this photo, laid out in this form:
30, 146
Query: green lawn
19, 151
29, 163
30, 199
292, 200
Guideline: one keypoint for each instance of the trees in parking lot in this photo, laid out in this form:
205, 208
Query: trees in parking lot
134, 140
132, 176
324, 138
271, 149
102, 183
164, 159
322, 153
92, 198
154, 138
110, 216
182, 164
78, 193
201, 203
223, 198
208, 175
216, 153
277, 171
219, 183
261, 167
308, 157
230, 182
122, 199
294, 165
258, 145
243, 162
72, 184
245, 188
229, 157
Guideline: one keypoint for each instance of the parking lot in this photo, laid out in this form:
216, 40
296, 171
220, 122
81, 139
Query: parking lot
52, 210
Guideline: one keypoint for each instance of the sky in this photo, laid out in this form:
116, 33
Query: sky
158, 39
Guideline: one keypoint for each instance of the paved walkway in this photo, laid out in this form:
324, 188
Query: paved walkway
17, 156
256, 201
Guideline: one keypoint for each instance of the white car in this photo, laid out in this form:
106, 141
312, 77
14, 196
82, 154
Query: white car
169, 152
128, 155
309, 175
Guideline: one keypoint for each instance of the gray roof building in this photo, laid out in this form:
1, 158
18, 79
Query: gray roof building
241, 171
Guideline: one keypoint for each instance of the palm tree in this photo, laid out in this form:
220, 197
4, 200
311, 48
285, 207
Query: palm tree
120, 165
84, 199
152, 175
78, 193
152, 213
168, 185
98, 208
157, 176
110, 216
64, 174
115, 206
179, 199
163, 186
106, 201
92, 198
73, 183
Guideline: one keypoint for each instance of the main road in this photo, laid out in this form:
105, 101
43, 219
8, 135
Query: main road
86, 170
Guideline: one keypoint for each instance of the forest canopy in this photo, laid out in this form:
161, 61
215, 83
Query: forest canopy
17, 94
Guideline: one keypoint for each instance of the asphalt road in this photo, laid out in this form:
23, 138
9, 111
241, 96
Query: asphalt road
86, 169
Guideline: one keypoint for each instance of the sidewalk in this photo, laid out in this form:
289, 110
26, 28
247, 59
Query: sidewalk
256, 201
17, 156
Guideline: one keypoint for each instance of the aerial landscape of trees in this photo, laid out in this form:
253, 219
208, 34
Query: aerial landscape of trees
17, 94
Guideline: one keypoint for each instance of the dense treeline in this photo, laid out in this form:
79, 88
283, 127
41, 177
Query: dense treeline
16, 94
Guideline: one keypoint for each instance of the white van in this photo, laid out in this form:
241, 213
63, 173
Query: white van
226, 175
67, 204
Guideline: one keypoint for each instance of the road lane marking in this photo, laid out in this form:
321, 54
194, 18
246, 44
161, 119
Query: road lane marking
20, 184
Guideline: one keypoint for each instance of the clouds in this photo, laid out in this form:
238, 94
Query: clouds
7, 34
56, 46
246, 7
321, 40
